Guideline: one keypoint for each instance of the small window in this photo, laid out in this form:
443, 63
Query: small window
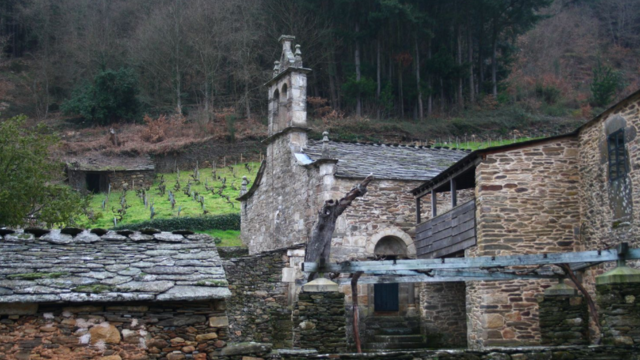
617, 155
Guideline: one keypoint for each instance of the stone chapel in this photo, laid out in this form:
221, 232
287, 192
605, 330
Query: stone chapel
298, 174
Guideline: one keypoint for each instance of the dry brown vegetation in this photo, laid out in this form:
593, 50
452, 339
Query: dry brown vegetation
161, 135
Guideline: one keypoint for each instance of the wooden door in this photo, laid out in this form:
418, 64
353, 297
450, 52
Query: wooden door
386, 297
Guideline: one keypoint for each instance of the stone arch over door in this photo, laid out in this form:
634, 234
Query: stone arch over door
391, 233
392, 241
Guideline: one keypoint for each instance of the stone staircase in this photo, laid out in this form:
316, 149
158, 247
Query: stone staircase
393, 333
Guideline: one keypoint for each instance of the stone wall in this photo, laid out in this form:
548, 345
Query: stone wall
526, 202
77, 179
319, 320
600, 229
172, 330
620, 313
443, 311
522, 353
259, 309
206, 152
281, 211
564, 320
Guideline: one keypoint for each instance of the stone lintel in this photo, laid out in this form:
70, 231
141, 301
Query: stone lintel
286, 71
320, 285
285, 131
286, 38
560, 289
619, 275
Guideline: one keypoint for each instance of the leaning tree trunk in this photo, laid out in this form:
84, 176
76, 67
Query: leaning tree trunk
319, 246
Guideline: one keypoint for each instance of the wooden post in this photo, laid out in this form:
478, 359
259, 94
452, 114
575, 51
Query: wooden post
454, 193
434, 204
418, 210
354, 302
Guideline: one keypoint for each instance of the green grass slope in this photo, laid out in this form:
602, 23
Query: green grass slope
100, 216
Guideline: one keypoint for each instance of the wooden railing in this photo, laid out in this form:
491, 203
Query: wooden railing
448, 233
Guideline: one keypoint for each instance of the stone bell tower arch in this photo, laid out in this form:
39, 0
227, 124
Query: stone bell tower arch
287, 90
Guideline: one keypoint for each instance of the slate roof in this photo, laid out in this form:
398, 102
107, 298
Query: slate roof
99, 162
116, 266
391, 162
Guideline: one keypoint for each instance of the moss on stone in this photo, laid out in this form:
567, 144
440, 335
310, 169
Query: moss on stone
36, 276
210, 282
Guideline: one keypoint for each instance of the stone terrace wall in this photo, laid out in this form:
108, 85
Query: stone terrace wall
77, 178
258, 309
319, 320
526, 202
524, 353
443, 310
564, 320
281, 211
156, 330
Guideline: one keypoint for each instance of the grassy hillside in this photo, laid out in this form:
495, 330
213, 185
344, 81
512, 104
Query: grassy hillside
104, 208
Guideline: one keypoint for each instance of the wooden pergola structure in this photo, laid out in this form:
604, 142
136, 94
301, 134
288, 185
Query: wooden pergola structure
481, 268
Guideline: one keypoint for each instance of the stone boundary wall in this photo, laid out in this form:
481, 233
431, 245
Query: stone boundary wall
522, 353
319, 320
77, 178
208, 151
620, 313
564, 320
258, 308
158, 330
443, 312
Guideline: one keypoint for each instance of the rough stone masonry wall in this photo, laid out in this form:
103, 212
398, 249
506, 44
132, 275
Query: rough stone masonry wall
77, 178
526, 202
319, 320
620, 313
599, 228
443, 310
281, 211
564, 320
258, 309
171, 331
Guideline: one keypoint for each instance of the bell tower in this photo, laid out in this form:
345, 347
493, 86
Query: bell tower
288, 90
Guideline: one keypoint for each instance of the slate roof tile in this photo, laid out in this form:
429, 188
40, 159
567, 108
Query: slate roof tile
86, 267
390, 162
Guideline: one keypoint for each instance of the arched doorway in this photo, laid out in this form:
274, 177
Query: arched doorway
387, 296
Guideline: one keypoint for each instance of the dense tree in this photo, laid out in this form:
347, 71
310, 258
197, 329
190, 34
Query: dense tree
30, 192
208, 54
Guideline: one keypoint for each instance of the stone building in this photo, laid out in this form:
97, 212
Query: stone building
298, 175
95, 174
75, 294
566, 193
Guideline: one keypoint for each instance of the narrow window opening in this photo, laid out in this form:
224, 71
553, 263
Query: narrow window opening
618, 167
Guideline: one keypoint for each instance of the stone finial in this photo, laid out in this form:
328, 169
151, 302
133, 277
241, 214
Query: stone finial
560, 289
325, 141
298, 55
320, 285
619, 275
243, 188
276, 68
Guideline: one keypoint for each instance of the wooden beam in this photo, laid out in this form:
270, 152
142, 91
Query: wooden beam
429, 185
476, 262
434, 204
452, 277
418, 210
454, 193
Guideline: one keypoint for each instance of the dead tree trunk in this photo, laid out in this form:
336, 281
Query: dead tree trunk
319, 246
354, 302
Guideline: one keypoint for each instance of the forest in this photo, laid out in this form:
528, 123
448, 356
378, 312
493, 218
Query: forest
389, 59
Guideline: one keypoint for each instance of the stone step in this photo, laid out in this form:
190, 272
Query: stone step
398, 339
396, 346
397, 331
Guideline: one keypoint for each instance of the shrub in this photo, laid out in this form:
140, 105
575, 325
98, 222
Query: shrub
606, 82
202, 223
111, 97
